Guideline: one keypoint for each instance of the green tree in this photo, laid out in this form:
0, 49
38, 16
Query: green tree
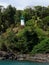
28, 13
41, 11
9, 15
42, 47
46, 23
18, 15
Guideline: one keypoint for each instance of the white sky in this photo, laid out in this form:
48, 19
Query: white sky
21, 4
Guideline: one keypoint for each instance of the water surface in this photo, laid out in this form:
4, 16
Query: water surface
21, 63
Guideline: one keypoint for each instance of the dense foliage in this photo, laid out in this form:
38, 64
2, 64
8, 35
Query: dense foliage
33, 38
42, 47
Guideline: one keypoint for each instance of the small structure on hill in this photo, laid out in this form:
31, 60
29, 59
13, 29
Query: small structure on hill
22, 21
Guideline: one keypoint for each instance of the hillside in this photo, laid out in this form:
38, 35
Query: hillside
32, 38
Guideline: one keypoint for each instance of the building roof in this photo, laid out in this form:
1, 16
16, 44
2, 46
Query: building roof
22, 17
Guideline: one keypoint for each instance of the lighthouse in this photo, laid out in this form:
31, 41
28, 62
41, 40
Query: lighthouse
22, 21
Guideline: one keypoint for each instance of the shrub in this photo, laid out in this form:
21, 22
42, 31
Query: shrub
42, 47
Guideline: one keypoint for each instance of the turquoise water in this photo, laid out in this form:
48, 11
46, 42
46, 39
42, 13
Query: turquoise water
21, 63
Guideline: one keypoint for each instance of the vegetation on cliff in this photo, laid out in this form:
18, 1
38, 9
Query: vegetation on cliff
33, 38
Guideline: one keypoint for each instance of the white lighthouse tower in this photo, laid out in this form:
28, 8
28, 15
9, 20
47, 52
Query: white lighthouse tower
22, 21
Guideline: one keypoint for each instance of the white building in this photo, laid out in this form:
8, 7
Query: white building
22, 21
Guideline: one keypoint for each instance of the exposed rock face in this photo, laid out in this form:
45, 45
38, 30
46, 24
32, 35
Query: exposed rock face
35, 58
6, 55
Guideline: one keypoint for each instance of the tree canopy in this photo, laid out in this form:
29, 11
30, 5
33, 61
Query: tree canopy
32, 38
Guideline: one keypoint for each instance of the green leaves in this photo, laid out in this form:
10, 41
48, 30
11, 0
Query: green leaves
42, 47
33, 37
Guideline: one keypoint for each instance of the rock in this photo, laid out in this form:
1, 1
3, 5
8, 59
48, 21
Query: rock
1, 54
13, 56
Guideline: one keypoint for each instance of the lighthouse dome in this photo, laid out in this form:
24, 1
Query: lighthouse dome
22, 17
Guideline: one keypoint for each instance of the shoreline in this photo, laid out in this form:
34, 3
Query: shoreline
24, 57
